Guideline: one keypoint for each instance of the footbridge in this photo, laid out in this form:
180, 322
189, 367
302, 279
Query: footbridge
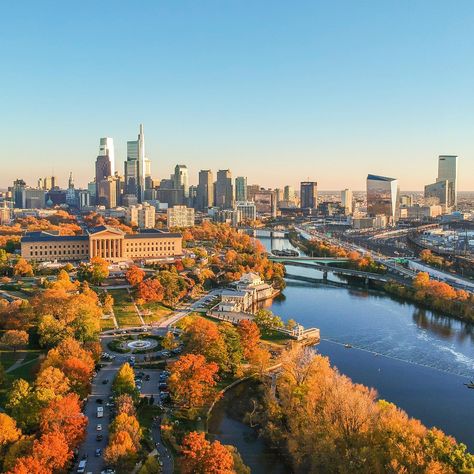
306, 259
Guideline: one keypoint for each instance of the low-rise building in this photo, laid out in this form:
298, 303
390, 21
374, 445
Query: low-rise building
235, 301
103, 241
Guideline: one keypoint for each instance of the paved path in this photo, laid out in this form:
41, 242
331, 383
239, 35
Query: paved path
136, 307
163, 451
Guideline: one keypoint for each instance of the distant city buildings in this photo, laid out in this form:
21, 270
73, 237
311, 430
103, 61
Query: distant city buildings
135, 166
180, 217
224, 196
444, 190
247, 209
205, 190
241, 188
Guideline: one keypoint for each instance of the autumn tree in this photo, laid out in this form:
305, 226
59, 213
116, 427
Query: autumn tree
124, 404
22, 268
95, 272
169, 342
124, 382
52, 383
64, 415
135, 275
14, 339
249, 336
192, 381
266, 320
23, 404
128, 423
9, 433
120, 451
199, 456
150, 290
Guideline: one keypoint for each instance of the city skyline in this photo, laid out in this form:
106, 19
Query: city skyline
216, 93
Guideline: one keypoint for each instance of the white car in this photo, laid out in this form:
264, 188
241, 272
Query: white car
99, 427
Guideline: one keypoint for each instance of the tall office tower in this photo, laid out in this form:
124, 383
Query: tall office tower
135, 166
406, 200
107, 192
49, 183
448, 171
252, 189
106, 148
241, 188
382, 197
40, 183
437, 193
309, 194
181, 179
71, 192
18, 193
224, 192
288, 193
205, 190
346, 201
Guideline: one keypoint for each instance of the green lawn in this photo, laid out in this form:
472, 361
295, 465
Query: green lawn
146, 413
158, 312
107, 324
124, 309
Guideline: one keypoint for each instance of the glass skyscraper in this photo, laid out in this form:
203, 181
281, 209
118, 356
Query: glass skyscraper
382, 197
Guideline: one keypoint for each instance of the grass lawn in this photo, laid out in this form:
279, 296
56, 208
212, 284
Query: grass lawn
158, 312
146, 413
107, 323
275, 337
124, 309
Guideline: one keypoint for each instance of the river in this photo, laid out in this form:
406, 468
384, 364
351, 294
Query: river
415, 358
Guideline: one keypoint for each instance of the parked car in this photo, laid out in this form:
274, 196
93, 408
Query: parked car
99, 427
99, 437
99, 401
105, 381
98, 452
147, 377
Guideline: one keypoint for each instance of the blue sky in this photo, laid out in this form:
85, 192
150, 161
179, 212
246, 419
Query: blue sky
277, 91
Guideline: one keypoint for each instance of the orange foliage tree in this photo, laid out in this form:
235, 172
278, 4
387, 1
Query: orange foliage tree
199, 456
22, 268
150, 290
192, 381
249, 336
135, 275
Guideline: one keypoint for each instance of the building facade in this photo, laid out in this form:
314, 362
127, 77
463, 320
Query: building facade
382, 197
241, 188
248, 210
308, 195
205, 190
141, 215
224, 195
102, 241
448, 171
346, 201
180, 216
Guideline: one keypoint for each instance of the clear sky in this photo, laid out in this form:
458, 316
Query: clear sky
278, 91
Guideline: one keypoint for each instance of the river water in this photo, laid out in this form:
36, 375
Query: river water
415, 358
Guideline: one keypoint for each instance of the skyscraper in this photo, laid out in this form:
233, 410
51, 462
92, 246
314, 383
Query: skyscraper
346, 201
224, 191
205, 190
437, 193
181, 179
136, 166
106, 148
448, 171
382, 197
309, 195
241, 188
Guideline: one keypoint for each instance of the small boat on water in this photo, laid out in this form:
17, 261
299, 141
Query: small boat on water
285, 253
348, 346
470, 384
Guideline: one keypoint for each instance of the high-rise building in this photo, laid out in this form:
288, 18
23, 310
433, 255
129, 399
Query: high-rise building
205, 190
71, 198
135, 166
241, 188
288, 193
309, 194
106, 148
141, 215
181, 179
107, 192
252, 189
437, 193
448, 171
265, 202
224, 195
18, 197
382, 197
346, 201
6, 212
180, 216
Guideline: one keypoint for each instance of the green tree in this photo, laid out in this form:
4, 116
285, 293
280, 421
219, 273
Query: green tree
169, 342
124, 382
266, 320
233, 345
23, 405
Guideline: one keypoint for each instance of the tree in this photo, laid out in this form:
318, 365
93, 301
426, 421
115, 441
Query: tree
124, 404
234, 350
23, 404
266, 320
22, 268
64, 415
120, 450
199, 456
135, 275
95, 272
52, 331
29, 464
192, 381
52, 450
52, 383
124, 382
169, 342
202, 336
130, 424
14, 339
9, 433
249, 336
150, 290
